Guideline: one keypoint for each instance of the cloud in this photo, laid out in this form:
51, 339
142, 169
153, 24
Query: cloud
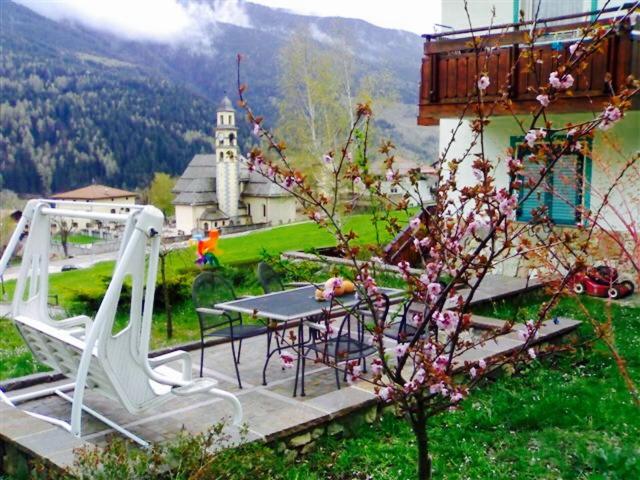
163, 21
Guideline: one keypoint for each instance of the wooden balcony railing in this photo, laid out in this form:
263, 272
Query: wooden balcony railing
450, 66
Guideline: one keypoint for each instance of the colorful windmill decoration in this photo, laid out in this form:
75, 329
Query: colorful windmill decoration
208, 249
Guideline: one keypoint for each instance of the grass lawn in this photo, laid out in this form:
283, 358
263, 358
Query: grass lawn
79, 238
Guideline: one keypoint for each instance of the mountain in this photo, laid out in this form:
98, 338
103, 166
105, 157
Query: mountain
78, 105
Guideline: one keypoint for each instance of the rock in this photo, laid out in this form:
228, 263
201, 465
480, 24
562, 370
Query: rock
371, 415
290, 456
335, 429
300, 440
307, 448
317, 432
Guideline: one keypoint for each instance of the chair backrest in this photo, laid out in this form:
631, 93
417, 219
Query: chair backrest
269, 279
208, 289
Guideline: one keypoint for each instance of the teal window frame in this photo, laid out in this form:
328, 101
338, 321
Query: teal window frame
583, 184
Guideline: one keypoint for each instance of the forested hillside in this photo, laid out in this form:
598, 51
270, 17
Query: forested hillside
77, 105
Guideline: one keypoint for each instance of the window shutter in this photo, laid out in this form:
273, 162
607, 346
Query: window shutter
531, 171
566, 192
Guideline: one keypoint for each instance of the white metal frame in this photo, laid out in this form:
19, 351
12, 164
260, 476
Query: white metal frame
115, 365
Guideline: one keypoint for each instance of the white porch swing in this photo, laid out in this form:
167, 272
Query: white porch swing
85, 350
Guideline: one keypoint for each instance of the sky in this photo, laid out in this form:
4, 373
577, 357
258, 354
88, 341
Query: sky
173, 20
413, 15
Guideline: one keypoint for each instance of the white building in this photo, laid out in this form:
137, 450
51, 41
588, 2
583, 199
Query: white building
217, 190
106, 200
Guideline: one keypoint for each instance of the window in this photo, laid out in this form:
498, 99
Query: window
232, 139
563, 191
264, 210
113, 210
248, 208
206, 226
221, 157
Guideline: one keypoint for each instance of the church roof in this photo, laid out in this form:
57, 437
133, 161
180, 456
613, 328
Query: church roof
226, 105
197, 185
259, 186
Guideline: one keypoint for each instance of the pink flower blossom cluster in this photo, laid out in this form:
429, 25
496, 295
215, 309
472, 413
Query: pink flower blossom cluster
330, 288
447, 320
534, 135
530, 331
609, 117
507, 203
483, 82
354, 370
543, 99
561, 82
514, 165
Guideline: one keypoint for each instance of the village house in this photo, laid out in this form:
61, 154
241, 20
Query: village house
217, 190
104, 199
580, 179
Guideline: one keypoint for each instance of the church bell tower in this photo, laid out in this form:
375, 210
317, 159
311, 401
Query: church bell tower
227, 159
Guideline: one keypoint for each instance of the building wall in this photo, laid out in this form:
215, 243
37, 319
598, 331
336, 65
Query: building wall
276, 210
81, 225
606, 163
420, 191
187, 217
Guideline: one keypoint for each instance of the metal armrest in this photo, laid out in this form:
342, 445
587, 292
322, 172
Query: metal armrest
177, 355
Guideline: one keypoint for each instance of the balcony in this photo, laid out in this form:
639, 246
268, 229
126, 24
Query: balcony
449, 73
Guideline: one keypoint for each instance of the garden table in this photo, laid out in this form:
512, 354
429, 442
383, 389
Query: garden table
296, 304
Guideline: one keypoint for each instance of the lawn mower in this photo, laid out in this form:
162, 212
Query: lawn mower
601, 281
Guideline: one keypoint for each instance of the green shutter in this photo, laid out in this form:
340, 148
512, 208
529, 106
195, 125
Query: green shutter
566, 190
531, 171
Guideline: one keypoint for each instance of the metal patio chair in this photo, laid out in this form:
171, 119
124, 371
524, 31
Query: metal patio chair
349, 343
209, 289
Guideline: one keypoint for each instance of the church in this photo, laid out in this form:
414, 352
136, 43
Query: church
218, 190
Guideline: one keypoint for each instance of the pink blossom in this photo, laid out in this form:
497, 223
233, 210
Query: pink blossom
327, 159
416, 319
437, 387
357, 181
483, 82
390, 175
561, 83
353, 371
533, 135
416, 244
457, 396
473, 372
434, 289
376, 366
410, 387
573, 48
286, 359
256, 129
479, 226
421, 376
532, 353
447, 320
271, 173
482, 364
610, 116
543, 99
514, 164
414, 223
328, 293
288, 182
477, 174
385, 394
401, 349
440, 364
429, 350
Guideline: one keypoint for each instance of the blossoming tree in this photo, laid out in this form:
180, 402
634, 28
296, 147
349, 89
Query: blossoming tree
462, 238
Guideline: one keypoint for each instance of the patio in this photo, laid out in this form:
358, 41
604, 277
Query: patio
270, 412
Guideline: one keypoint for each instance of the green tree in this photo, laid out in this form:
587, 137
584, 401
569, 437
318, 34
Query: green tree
160, 194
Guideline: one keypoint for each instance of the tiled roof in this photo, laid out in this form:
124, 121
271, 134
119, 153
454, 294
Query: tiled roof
197, 185
94, 192
259, 186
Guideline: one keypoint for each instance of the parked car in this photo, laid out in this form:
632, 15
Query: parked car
67, 268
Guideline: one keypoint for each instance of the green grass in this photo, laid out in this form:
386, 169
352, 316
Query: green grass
79, 239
